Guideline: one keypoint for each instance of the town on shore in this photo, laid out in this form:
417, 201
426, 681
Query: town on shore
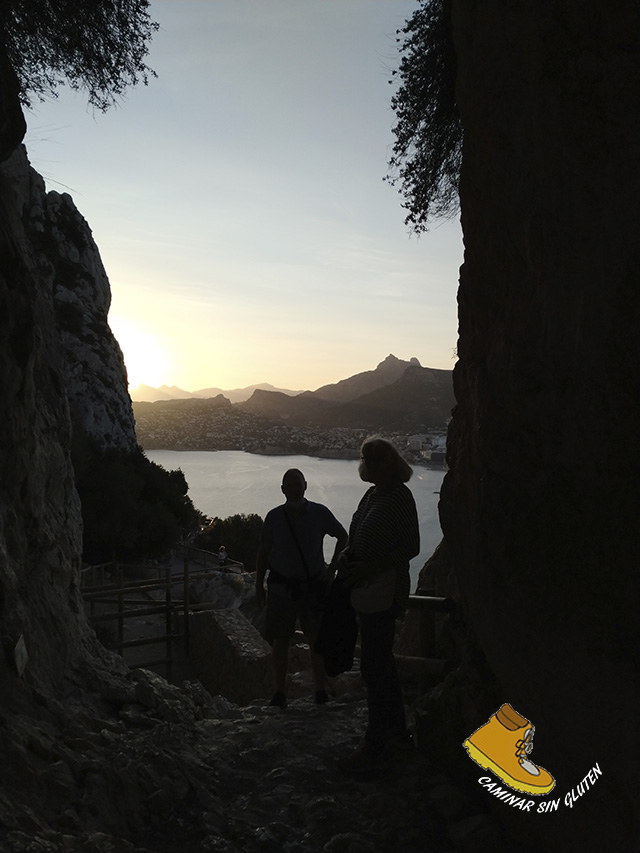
224, 428
400, 400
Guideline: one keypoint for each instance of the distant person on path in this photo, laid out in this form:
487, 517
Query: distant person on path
222, 556
383, 537
291, 549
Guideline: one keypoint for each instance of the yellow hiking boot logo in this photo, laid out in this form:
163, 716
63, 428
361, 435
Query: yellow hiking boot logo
503, 745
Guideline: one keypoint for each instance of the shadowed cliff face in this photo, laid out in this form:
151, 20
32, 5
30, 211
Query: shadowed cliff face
40, 526
71, 270
61, 372
540, 507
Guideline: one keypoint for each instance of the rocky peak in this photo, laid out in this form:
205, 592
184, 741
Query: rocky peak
396, 365
390, 369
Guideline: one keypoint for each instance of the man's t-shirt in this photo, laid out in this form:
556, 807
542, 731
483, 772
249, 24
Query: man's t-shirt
310, 525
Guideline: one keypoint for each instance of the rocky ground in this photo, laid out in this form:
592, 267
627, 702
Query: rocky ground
130, 762
162, 769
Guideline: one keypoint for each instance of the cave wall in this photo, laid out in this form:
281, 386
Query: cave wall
540, 506
63, 395
40, 523
72, 271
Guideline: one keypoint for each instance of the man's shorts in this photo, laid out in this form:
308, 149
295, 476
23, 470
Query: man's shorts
283, 612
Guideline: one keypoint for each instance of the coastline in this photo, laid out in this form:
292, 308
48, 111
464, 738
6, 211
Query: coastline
341, 454
242, 483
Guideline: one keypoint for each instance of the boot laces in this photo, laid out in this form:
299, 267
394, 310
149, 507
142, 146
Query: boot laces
524, 747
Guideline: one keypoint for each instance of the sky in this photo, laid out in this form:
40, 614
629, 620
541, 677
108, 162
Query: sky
238, 200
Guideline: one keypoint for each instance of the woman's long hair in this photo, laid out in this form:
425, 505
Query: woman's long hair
402, 471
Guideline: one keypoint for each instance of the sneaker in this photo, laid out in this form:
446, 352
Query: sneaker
279, 700
321, 697
365, 759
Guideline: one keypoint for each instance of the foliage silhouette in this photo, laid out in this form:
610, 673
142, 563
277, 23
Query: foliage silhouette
427, 153
240, 534
98, 46
131, 507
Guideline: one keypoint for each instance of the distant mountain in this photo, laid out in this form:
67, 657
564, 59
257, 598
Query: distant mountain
419, 400
148, 394
355, 386
343, 391
397, 395
273, 404
189, 404
238, 395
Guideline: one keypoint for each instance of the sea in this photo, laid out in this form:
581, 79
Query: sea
229, 482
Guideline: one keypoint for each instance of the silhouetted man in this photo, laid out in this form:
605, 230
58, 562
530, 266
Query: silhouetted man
291, 549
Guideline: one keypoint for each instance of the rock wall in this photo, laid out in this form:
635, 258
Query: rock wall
62, 381
540, 506
72, 272
40, 525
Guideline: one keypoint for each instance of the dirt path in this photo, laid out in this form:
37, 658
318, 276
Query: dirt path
273, 785
256, 778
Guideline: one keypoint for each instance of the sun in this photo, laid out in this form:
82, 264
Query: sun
144, 357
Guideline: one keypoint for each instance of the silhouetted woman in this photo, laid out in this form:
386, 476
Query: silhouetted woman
383, 537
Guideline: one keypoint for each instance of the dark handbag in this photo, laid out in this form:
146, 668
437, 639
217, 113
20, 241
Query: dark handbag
336, 640
376, 594
321, 584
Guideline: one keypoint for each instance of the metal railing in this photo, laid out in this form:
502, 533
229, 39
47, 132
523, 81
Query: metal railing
425, 665
105, 585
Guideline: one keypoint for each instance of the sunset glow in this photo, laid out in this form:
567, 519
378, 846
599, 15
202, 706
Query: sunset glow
238, 200
145, 360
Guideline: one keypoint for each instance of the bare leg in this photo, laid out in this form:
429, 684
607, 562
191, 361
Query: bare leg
280, 660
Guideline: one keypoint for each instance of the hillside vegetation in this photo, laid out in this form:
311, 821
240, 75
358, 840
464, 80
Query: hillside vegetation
397, 397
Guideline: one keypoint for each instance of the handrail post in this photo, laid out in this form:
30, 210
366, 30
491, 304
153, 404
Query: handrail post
185, 606
426, 636
92, 581
120, 583
168, 619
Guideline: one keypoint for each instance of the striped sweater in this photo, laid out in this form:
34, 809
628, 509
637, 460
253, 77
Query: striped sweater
384, 530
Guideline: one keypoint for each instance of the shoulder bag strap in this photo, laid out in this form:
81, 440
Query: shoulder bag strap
295, 539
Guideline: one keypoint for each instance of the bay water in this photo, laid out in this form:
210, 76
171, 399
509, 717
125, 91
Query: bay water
229, 482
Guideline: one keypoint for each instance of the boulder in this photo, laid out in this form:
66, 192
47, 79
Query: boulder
231, 658
222, 590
